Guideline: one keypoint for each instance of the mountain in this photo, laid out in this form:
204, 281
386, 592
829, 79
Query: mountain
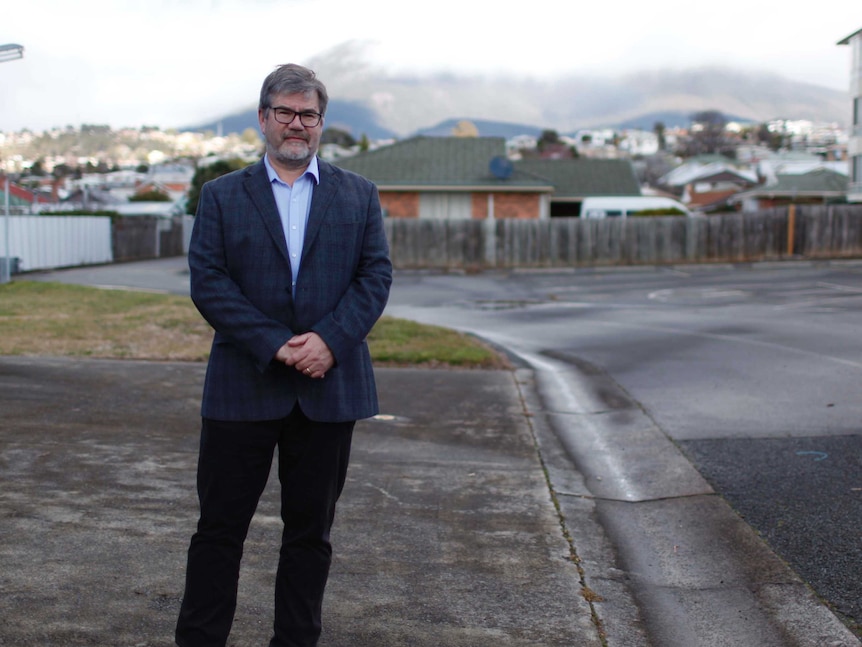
382, 106
350, 116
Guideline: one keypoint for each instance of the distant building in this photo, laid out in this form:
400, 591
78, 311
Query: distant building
854, 146
452, 177
20, 199
471, 177
819, 186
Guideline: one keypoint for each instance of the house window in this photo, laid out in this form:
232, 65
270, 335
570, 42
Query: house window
442, 206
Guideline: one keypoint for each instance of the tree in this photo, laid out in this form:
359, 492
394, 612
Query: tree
547, 138
338, 137
706, 134
465, 129
38, 168
206, 173
154, 195
250, 136
770, 137
659, 128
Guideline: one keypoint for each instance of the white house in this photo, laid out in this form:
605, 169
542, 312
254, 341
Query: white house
854, 146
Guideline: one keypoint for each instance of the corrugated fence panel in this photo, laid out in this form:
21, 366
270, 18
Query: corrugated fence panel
46, 242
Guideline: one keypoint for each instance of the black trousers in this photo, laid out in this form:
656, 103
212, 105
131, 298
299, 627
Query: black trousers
233, 468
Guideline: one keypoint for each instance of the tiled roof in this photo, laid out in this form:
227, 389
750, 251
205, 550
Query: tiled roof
452, 163
709, 198
581, 177
819, 181
19, 196
822, 182
440, 162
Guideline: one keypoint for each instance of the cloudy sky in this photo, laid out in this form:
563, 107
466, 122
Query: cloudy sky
172, 63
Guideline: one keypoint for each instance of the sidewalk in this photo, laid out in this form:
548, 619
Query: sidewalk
446, 534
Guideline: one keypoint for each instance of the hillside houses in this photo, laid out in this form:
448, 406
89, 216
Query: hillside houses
113, 191
476, 178
495, 178
454, 177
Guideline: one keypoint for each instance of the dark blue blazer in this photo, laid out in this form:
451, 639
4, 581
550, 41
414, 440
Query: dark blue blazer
241, 284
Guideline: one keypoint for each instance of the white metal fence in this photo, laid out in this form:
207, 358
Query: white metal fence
47, 242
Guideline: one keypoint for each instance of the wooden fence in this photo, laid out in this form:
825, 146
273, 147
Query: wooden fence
143, 237
799, 231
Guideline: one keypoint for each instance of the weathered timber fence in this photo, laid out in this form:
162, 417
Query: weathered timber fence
143, 237
801, 231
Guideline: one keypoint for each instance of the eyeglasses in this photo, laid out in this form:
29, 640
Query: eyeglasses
285, 116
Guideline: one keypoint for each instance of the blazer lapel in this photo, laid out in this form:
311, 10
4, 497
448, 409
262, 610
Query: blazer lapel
321, 198
258, 187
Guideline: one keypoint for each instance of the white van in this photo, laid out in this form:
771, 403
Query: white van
622, 207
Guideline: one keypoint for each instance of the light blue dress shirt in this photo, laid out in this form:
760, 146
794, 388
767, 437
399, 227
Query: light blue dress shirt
294, 204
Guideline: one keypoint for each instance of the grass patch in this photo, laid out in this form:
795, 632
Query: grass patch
401, 342
55, 319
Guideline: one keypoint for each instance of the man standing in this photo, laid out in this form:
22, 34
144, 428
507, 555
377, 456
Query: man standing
290, 266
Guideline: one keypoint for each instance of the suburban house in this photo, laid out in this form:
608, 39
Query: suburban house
576, 179
471, 177
854, 147
710, 189
451, 177
21, 199
701, 167
820, 186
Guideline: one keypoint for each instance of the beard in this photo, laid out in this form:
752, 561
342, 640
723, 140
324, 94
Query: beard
290, 154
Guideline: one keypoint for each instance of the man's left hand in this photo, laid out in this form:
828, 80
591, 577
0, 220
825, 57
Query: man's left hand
311, 356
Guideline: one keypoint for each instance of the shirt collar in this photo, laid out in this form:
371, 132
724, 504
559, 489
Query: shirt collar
312, 170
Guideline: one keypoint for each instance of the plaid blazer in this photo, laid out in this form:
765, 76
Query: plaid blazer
241, 284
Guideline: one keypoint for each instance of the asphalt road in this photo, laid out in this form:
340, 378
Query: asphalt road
752, 372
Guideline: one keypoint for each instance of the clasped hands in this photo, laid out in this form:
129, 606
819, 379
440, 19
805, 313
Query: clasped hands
308, 354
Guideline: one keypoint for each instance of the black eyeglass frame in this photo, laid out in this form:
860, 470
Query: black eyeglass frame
283, 115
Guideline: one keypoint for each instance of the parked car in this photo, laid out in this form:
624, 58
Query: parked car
623, 207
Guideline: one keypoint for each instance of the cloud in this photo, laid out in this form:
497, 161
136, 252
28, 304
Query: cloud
174, 62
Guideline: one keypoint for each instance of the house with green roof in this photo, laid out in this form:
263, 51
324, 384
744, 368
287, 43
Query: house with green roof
470, 177
820, 186
579, 178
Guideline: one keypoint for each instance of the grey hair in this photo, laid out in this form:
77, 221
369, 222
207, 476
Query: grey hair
292, 79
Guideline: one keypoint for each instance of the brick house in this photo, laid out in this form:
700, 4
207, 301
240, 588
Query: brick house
470, 177
579, 178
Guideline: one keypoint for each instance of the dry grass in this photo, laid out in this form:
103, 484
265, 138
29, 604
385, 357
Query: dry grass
55, 319
65, 320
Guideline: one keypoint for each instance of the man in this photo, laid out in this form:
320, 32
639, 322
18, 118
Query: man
290, 265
